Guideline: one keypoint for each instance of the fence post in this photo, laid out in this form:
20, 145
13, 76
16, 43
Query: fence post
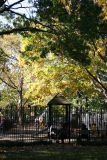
69, 123
50, 115
67, 113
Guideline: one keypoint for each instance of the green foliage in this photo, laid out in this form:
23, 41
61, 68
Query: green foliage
97, 103
73, 29
7, 97
90, 20
72, 24
3, 57
72, 32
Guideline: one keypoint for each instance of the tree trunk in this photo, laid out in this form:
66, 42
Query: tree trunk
20, 104
20, 107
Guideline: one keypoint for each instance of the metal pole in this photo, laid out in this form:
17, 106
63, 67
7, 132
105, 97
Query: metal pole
50, 115
67, 113
101, 125
69, 122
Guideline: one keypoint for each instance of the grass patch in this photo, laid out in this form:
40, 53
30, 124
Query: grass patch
55, 152
20, 143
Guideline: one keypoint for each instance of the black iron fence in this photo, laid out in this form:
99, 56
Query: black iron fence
75, 126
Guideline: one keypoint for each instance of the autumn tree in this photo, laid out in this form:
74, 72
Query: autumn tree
51, 74
75, 46
8, 96
12, 75
69, 29
98, 53
82, 38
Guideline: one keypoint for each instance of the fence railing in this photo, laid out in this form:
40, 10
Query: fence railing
37, 128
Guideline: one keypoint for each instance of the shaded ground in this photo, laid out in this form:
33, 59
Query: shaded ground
53, 152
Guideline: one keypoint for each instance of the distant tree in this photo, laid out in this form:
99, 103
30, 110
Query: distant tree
12, 75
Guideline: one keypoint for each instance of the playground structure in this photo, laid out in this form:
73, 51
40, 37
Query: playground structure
40, 123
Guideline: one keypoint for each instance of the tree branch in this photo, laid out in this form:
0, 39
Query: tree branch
25, 102
33, 20
22, 7
102, 57
7, 8
10, 6
96, 80
100, 90
7, 83
10, 80
2, 2
24, 29
96, 87
98, 77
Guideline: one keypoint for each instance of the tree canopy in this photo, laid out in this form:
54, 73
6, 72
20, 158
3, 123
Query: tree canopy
63, 46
